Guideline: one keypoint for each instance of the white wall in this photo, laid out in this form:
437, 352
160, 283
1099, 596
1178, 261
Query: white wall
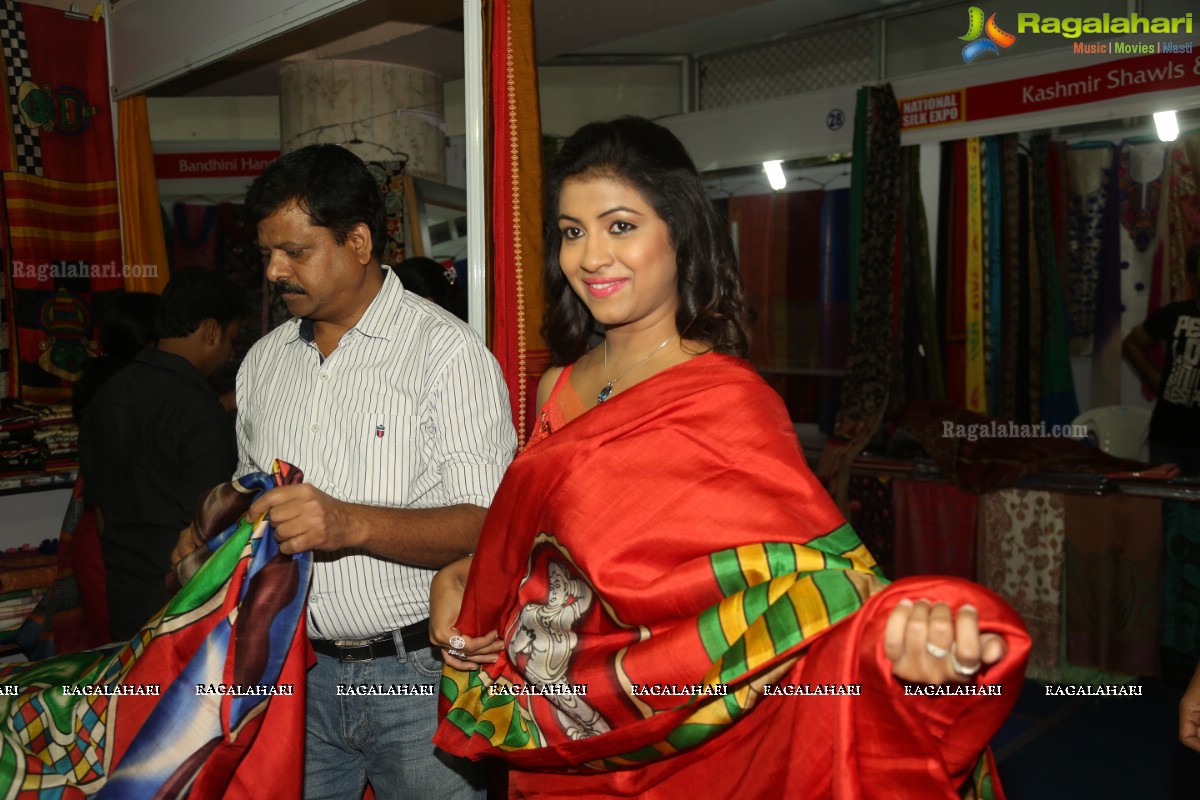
572, 96
29, 518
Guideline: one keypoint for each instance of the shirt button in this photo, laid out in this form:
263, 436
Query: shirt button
324, 376
315, 600
315, 428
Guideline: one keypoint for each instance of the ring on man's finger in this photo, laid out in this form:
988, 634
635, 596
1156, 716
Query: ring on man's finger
966, 672
458, 642
454, 651
935, 651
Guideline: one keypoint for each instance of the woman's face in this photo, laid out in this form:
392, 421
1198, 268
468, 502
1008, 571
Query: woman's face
616, 253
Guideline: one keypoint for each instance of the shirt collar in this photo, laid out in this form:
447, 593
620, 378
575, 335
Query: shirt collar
378, 321
173, 363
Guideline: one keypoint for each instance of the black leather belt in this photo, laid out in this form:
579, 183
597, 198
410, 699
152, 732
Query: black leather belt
415, 637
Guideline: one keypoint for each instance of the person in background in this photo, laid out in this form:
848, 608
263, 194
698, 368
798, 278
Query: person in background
154, 437
434, 282
124, 326
1175, 423
660, 566
398, 417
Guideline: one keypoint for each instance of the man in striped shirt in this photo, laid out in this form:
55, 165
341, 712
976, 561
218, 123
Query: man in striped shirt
399, 418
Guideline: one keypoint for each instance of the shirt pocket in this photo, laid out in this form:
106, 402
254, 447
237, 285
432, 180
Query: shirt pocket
381, 458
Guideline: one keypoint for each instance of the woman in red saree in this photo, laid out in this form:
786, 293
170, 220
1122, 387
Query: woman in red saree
664, 601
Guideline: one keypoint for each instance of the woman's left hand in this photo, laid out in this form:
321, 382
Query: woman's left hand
927, 643
445, 602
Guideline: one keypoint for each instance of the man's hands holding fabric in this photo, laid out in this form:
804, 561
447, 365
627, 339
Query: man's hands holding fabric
305, 518
926, 643
189, 540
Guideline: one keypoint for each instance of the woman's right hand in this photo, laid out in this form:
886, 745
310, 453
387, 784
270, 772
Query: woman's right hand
445, 603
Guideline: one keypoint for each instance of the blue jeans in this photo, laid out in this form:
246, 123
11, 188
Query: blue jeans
386, 739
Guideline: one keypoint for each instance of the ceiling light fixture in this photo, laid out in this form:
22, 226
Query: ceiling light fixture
1167, 125
775, 176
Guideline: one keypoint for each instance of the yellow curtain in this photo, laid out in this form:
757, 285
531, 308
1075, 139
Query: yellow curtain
142, 238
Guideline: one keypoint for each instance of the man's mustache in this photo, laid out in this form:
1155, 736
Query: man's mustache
290, 288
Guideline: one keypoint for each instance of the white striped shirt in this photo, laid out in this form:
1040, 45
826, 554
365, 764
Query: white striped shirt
409, 411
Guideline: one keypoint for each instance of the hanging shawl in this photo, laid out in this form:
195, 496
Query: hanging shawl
658, 541
149, 719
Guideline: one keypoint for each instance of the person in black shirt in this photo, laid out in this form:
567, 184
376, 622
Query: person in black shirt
155, 437
1175, 424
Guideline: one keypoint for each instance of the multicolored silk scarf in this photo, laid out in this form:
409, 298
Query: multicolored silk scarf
637, 594
206, 701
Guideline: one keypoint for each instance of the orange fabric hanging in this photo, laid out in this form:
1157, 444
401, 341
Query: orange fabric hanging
142, 239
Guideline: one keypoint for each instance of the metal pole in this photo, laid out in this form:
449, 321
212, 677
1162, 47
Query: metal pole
477, 231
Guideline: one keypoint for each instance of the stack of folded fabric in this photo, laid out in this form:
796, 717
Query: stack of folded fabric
39, 444
57, 437
19, 453
25, 575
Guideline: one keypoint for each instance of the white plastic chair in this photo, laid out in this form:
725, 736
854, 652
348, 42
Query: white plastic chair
1119, 430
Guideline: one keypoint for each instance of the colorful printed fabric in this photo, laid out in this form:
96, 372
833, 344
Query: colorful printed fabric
702, 571
1088, 176
157, 717
390, 177
1021, 558
70, 228
1183, 215
866, 387
58, 123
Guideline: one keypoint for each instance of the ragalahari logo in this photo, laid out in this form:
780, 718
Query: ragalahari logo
996, 38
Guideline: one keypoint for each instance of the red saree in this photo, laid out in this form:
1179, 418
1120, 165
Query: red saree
673, 540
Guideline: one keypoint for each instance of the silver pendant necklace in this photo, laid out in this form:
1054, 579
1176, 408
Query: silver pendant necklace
607, 391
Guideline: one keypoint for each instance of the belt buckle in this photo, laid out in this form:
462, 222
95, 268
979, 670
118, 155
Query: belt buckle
356, 651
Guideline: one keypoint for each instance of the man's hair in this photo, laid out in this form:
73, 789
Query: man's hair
195, 294
327, 182
649, 158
